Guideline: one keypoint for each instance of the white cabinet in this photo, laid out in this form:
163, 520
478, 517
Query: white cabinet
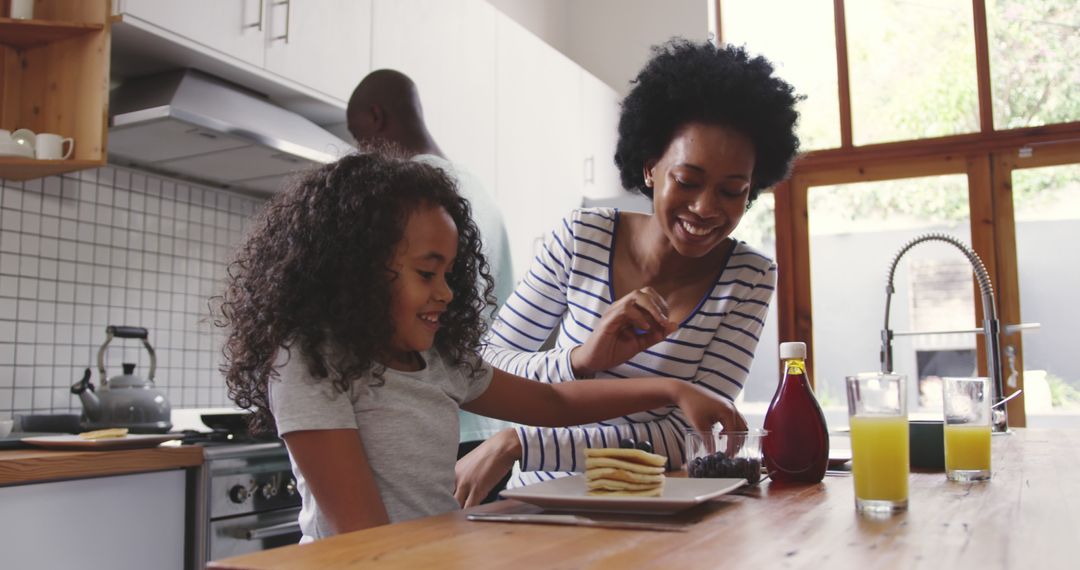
599, 128
122, 522
322, 45
231, 27
538, 148
448, 48
537, 130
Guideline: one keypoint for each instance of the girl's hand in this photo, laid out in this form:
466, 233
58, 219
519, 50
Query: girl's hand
481, 469
632, 324
703, 409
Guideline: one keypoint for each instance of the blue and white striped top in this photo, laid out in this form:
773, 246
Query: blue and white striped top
569, 286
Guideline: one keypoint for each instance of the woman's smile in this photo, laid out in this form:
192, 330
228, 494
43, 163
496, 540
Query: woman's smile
701, 185
696, 230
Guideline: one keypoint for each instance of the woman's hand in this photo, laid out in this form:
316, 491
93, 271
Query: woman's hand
703, 409
632, 324
481, 469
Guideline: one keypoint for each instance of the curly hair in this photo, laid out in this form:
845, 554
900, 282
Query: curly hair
314, 274
687, 82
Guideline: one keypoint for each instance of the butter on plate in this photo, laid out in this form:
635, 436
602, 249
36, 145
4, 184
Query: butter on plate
104, 433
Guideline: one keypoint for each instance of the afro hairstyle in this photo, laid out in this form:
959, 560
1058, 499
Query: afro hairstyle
686, 82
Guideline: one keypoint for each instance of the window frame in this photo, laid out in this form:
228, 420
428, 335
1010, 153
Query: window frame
988, 158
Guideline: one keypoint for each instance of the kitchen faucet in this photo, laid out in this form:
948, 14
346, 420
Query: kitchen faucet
991, 326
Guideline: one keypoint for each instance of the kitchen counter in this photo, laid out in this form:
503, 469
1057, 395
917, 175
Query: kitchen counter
1026, 516
23, 466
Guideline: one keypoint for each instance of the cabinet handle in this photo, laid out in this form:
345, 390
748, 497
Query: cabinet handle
258, 24
288, 16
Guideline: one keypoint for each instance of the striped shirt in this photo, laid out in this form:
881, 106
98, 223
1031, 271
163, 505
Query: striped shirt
569, 286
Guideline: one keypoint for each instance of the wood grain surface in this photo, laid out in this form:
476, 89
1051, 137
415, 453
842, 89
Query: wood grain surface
24, 34
37, 465
54, 78
1029, 511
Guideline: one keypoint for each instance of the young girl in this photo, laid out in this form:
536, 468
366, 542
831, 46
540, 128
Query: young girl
354, 318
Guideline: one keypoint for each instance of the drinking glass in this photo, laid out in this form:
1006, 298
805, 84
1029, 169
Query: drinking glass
877, 409
967, 428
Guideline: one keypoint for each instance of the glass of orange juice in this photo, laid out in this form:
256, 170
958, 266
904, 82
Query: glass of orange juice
877, 410
967, 428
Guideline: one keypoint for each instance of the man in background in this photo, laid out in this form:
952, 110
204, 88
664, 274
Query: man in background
385, 107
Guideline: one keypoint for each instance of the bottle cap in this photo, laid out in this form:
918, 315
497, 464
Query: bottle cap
792, 350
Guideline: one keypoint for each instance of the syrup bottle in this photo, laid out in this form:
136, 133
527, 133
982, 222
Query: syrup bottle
796, 448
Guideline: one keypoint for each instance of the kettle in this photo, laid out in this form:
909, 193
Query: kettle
124, 401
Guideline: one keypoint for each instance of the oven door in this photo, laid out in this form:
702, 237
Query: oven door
251, 533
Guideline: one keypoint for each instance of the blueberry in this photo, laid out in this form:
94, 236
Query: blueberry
711, 462
753, 471
627, 443
645, 446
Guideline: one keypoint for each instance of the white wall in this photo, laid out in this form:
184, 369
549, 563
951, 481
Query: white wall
609, 38
546, 19
111, 246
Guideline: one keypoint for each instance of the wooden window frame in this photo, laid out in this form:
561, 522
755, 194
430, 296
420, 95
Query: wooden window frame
988, 158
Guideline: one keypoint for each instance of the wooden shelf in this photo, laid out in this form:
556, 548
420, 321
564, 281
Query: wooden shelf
12, 168
54, 78
21, 34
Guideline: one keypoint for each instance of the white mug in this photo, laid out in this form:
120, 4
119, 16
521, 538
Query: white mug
24, 137
51, 147
22, 9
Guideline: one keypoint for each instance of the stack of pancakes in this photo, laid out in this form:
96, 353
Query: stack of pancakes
610, 471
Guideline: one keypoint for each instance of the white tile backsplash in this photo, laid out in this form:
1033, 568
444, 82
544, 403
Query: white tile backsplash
108, 246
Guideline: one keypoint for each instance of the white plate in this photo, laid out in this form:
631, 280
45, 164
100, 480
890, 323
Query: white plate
127, 442
568, 494
838, 457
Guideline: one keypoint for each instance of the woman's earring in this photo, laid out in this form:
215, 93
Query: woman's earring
648, 182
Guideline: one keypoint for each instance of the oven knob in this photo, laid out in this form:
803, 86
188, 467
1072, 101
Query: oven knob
269, 490
290, 487
238, 493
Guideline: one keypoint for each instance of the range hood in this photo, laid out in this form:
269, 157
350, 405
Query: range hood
194, 126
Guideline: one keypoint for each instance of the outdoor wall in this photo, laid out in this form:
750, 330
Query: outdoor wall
849, 315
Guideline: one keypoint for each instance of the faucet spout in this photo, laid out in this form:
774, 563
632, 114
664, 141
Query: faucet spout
991, 325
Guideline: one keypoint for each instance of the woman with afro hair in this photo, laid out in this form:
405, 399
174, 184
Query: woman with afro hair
702, 132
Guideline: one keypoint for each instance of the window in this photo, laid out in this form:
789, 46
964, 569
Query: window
1034, 61
802, 46
912, 67
1047, 210
855, 230
916, 97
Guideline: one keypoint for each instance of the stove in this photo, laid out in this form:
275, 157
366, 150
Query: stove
244, 497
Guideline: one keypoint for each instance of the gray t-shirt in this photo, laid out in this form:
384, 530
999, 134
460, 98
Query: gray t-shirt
408, 425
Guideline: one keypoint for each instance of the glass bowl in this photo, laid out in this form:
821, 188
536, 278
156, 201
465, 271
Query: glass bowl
719, 454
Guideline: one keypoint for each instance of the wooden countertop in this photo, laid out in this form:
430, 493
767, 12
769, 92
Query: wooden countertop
21, 466
1029, 512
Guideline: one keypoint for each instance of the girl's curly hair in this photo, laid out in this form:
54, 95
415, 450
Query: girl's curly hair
687, 82
314, 274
